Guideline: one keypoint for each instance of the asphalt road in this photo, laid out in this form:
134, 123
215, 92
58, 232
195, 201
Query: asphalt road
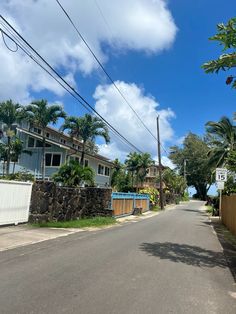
171, 263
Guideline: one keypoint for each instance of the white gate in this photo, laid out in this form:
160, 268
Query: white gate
14, 201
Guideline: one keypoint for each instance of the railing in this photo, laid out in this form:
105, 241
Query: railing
14, 201
125, 203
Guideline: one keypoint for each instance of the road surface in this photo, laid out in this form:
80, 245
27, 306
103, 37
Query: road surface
171, 263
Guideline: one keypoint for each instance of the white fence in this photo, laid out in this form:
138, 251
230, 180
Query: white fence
14, 201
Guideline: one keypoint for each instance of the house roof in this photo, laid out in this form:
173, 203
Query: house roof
72, 150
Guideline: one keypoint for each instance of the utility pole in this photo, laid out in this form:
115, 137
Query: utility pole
160, 165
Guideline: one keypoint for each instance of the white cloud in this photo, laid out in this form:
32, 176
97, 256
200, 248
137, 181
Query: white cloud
167, 162
143, 25
110, 105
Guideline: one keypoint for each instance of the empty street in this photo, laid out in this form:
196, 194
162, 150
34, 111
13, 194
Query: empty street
171, 263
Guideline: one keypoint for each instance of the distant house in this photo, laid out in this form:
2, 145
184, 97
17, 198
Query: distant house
60, 147
151, 177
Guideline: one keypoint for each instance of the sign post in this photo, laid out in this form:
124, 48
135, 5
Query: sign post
221, 178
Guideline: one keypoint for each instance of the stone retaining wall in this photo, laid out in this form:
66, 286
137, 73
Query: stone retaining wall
52, 203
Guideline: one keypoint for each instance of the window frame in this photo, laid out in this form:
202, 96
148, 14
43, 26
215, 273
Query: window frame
53, 153
104, 170
47, 145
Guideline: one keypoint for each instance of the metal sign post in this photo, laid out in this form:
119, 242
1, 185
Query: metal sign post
221, 178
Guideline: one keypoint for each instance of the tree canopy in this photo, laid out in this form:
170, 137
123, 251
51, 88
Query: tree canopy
221, 137
86, 129
195, 153
226, 36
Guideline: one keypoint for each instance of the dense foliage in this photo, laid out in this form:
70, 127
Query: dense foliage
198, 172
221, 137
226, 36
86, 129
40, 113
74, 174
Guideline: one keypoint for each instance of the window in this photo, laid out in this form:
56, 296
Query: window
37, 130
47, 135
86, 163
63, 141
36, 143
107, 171
52, 160
100, 169
30, 142
39, 143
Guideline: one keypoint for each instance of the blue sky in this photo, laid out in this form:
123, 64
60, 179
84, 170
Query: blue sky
155, 60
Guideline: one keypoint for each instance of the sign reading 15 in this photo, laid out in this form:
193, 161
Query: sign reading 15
221, 174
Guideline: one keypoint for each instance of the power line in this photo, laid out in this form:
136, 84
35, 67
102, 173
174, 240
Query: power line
68, 87
103, 17
104, 70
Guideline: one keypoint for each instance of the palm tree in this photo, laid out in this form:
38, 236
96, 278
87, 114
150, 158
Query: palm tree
41, 114
132, 163
144, 162
222, 140
72, 174
138, 164
86, 129
16, 151
10, 114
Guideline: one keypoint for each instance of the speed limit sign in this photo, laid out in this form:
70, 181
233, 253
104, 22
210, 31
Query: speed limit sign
221, 174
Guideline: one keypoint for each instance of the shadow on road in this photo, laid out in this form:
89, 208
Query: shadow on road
184, 253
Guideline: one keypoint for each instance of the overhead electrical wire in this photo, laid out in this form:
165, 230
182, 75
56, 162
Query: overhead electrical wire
105, 71
65, 84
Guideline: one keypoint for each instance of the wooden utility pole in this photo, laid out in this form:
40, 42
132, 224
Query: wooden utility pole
160, 165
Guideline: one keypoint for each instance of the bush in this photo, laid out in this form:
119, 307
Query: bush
153, 194
185, 197
19, 176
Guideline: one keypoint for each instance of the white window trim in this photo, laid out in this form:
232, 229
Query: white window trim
104, 166
53, 153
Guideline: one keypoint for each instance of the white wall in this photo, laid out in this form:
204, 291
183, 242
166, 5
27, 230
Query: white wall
14, 201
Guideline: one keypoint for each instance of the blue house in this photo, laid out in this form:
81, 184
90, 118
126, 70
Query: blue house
60, 148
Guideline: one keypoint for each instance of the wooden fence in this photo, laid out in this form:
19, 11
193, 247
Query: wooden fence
228, 212
125, 203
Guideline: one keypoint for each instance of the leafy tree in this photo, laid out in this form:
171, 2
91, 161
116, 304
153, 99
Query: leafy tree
17, 149
3, 155
86, 129
195, 152
221, 139
10, 113
175, 183
144, 162
230, 185
137, 164
231, 161
73, 173
41, 114
226, 36
153, 194
118, 168
120, 180
132, 163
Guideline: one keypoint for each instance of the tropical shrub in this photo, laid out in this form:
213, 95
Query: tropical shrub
153, 194
73, 174
19, 176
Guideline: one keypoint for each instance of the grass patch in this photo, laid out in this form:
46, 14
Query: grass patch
156, 208
80, 223
210, 209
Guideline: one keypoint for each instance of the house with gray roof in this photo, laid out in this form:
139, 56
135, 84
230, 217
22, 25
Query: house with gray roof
60, 148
